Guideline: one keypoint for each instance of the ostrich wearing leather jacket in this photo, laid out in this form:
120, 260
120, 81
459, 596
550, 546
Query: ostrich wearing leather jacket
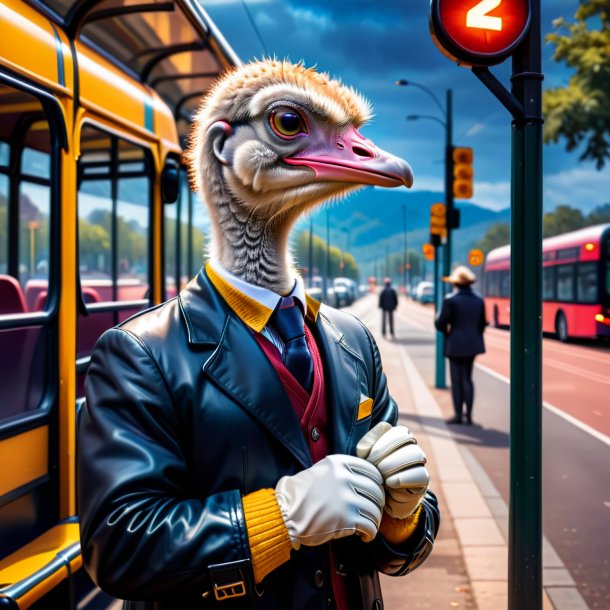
270, 142
206, 472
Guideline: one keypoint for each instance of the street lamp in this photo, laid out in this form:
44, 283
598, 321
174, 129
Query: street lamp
447, 112
406, 255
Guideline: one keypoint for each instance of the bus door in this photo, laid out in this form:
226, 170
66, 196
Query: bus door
115, 179
29, 294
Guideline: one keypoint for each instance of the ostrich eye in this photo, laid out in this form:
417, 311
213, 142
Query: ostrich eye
287, 122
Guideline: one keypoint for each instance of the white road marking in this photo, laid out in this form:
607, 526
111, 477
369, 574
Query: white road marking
600, 436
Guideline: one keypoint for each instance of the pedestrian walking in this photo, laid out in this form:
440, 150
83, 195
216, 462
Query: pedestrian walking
462, 320
388, 302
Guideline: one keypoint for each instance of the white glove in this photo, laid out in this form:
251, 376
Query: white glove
339, 496
401, 462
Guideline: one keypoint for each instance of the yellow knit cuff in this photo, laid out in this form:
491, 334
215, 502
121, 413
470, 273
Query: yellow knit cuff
396, 531
270, 544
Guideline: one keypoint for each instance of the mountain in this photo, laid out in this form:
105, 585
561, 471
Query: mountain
369, 224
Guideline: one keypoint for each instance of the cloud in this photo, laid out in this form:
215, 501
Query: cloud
580, 187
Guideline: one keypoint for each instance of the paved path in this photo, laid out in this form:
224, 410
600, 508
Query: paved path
468, 568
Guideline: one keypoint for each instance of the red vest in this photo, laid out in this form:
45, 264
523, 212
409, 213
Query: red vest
313, 415
310, 408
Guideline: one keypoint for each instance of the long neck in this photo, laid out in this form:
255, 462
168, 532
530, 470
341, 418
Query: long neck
252, 248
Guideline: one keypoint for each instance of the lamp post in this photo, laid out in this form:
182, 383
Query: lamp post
447, 124
311, 251
406, 256
327, 271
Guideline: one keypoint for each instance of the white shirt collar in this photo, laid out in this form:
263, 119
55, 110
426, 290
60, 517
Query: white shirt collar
261, 295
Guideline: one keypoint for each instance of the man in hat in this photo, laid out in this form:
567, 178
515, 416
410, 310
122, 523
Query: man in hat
462, 320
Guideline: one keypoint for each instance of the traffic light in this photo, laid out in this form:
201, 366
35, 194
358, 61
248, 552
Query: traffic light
462, 172
428, 250
476, 257
438, 222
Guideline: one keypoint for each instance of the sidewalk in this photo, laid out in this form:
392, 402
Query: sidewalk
469, 565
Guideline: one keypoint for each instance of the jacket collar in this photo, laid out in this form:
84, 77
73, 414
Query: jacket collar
254, 305
239, 367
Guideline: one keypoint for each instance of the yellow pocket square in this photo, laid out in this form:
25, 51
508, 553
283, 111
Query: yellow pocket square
365, 408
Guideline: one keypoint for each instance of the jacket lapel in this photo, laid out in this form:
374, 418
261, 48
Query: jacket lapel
344, 378
239, 367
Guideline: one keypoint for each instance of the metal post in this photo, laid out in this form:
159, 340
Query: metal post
310, 251
449, 204
440, 339
406, 256
327, 272
525, 511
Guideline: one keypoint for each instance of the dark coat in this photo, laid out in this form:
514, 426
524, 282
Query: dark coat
388, 300
462, 320
184, 415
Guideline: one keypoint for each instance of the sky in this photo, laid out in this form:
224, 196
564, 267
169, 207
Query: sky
370, 44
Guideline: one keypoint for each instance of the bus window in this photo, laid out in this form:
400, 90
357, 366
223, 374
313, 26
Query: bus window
565, 283
184, 238
504, 281
491, 283
25, 215
114, 208
548, 284
586, 285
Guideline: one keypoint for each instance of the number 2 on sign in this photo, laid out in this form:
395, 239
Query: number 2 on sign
477, 16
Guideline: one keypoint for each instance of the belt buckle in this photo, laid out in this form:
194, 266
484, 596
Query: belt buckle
230, 590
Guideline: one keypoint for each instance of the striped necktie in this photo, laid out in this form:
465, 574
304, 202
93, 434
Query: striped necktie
287, 320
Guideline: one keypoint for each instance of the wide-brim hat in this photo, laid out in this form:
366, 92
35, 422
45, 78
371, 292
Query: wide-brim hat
461, 276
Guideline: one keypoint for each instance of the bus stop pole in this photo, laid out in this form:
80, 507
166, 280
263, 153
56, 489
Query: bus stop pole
525, 509
441, 379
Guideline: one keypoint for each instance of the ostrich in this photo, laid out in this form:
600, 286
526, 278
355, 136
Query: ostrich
270, 142
224, 463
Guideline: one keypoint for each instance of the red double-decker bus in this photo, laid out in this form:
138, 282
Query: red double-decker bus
575, 284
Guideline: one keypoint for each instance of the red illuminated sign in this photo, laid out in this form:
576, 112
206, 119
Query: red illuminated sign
479, 32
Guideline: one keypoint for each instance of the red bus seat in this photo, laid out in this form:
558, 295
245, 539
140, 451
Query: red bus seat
12, 299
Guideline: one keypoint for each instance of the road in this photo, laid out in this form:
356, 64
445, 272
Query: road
576, 447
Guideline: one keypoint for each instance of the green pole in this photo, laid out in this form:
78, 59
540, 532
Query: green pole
406, 257
440, 339
325, 286
525, 508
439, 369
311, 251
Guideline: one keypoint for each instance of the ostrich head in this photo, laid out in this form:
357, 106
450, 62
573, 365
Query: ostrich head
271, 141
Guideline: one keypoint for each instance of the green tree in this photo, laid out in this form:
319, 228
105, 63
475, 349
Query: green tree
562, 220
497, 235
600, 215
301, 252
580, 111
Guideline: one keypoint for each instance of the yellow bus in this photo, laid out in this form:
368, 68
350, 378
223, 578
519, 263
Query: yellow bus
95, 101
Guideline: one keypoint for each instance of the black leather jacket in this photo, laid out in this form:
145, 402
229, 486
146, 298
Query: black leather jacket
462, 320
184, 415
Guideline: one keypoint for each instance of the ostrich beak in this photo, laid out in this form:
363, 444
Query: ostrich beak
355, 159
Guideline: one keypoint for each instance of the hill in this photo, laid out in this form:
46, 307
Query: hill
370, 224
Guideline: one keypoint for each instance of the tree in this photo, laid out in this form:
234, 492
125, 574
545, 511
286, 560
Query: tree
301, 251
497, 235
563, 220
580, 111
600, 215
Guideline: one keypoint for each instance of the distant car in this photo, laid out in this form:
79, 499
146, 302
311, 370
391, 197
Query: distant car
316, 291
346, 291
424, 292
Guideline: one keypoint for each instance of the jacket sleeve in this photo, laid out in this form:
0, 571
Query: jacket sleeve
483, 323
399, 559
143, 534
444, 317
